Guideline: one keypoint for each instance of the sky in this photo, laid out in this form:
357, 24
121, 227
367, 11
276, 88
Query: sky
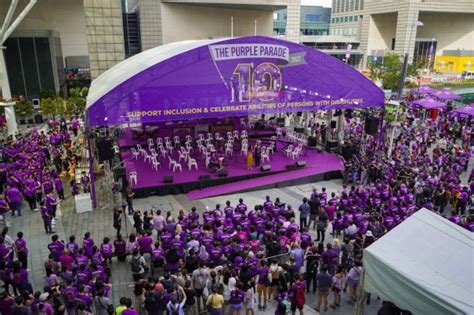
324, 3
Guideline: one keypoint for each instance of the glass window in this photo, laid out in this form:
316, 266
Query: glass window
346, 19
312, 18
357, 5
343, 5
350, 18
356, 18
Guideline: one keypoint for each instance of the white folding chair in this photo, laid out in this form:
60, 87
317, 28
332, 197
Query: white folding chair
244, 134
135, 153
176, 166
177, 141
289, 150
188, 146
159, 141
153, 153
133, 177
271, 148
236, 134
279, 132
146, 157
151, 144
189, 138
169, 147
163, 152
295, 154
210, 136
217, 136
191, 163
167, 139
182, 156
201, 137
245, 149
171, 161
154, 163
116, 149
229, 149
265, 155
229, 135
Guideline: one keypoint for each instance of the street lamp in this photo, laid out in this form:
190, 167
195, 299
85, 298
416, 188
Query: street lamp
414, 25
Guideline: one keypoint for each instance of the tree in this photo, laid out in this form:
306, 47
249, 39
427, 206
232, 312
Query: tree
48, 107
77, 99
60, 106
24, 109
47, 93
390, 71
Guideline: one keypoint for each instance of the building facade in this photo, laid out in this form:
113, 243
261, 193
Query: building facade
423, 29
314, 20
168, 21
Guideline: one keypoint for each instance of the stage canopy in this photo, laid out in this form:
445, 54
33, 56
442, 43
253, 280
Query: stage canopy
424, 265
429, 103
226, 77
465, 111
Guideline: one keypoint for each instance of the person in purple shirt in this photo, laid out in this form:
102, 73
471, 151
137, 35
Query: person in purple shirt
21, 250
83, 296
241, 207
51, 203
145, 243
46, 216
58, 185
72, 246
85, 182
6, 304
13, 197
4, 210
106, 249
29, 194
56, 247
129, 310
87, 244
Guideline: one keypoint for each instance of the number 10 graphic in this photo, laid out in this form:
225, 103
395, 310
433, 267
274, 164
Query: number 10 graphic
264, 82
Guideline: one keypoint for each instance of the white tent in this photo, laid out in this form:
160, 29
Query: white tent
425, 265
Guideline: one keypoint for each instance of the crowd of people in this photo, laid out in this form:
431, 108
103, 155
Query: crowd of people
233, 259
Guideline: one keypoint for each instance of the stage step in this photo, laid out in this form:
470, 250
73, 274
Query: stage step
258, 182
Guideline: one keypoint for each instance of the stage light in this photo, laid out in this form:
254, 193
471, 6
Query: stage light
106, 118
316, 93
329, 96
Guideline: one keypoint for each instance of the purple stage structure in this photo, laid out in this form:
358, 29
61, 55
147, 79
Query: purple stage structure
185, 82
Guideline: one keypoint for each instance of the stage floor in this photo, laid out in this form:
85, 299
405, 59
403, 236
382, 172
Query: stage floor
151, 181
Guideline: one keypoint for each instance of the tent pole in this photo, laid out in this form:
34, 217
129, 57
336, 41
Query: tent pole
91, 171
359, 309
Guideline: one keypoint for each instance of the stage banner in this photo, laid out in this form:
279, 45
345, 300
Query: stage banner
221, 78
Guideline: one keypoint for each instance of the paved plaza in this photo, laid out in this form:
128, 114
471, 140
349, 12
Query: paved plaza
99, 223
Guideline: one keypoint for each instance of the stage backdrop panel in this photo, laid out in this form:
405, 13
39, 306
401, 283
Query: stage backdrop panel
222, 78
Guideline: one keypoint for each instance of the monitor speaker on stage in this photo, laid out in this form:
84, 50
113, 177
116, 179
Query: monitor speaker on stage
222, 173
301, 163
105, 150
291, 167
168, 179
371, 125
265, 168
204, 177
333, 124
312, 142
348, 152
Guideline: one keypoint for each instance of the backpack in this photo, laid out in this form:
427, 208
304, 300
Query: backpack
136, 264
300, 298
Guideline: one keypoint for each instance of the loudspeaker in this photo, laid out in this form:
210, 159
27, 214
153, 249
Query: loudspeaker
331, 144
312, 142
105, 150
204, 177
348, 152
299, 129
168, 179
222, 173
301, 163
299, 114
38, 119
265, 168
371, 125
333, 124
291, 167
120, 175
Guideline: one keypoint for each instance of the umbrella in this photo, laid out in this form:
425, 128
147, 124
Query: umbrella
429, 103
467, 111
424, 90
447, 95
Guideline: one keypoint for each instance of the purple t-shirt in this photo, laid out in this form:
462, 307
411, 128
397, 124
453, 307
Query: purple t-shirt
13, 195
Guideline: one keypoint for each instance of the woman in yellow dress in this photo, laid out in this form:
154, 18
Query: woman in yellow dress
249, 160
